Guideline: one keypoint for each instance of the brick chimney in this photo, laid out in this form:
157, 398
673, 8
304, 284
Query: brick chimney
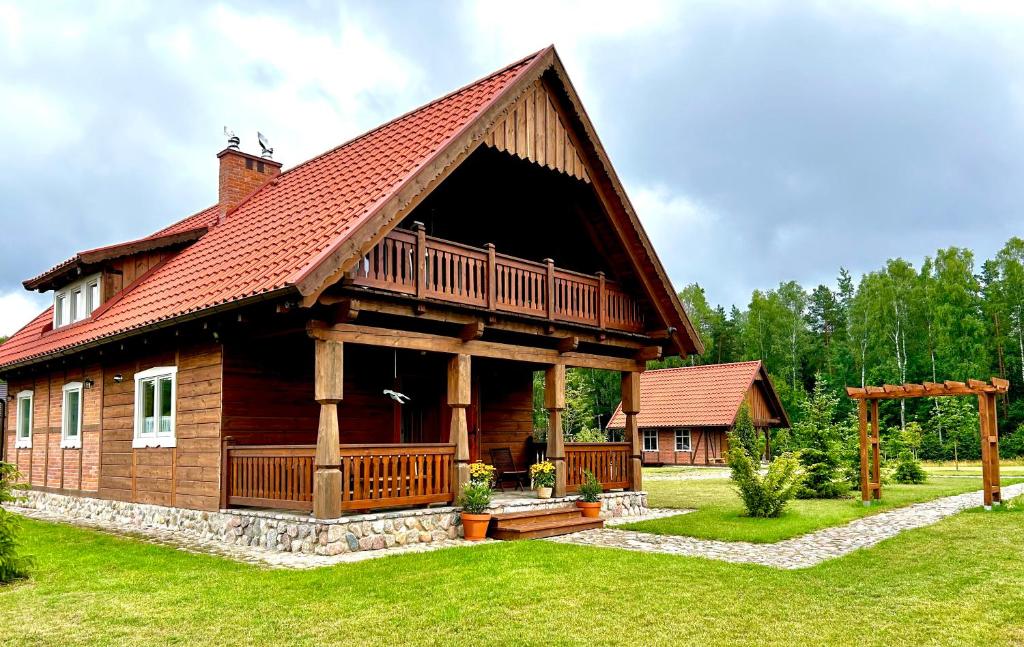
240, 175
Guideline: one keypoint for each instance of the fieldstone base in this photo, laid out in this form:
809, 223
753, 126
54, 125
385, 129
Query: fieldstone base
298, 533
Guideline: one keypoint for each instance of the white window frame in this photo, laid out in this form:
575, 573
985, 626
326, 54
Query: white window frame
155, 438
20, 441
67, 308
647, 434
689, 440
67, 441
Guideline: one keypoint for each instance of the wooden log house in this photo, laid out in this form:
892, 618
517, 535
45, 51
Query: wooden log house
350, 333
686, 413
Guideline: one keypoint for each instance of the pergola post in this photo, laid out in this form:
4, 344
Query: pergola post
989, 449
554, 402
630, 408
459, 399
329, 374
862, 411
870, 451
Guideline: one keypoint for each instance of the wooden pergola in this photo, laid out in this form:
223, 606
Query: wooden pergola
870, 434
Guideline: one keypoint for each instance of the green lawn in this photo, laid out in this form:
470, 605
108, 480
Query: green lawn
720, 514
973, 468
957, 582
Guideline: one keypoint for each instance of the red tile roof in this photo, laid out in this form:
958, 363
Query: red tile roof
691, 396
282, 231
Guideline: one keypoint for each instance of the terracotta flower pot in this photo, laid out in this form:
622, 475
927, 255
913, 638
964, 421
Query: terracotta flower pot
543, 493
474, 526
590, 509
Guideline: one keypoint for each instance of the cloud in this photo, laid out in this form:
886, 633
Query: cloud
17, 309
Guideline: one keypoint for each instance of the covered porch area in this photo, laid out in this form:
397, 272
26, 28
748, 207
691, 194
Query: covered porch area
393, 419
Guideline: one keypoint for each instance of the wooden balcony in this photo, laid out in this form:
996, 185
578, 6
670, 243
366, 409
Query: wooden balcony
412, 263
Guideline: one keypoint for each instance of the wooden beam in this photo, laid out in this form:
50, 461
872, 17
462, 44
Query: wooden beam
472, 330
389, 338
568, 344
1001, 384
648, 353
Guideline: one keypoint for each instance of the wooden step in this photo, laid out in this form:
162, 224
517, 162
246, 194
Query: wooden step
514, 519
540, 523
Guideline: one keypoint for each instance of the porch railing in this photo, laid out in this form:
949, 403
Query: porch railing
373, 476
608, 461
413, 263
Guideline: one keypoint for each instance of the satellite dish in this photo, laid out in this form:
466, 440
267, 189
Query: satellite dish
268, 152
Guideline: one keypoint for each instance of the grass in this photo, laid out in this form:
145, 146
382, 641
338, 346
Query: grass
957, 582
720, 513
973, 468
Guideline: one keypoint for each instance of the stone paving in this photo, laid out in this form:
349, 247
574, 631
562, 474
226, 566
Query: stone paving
800, 552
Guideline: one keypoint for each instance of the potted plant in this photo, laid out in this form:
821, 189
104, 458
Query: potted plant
543, 475
474, 501
590, 495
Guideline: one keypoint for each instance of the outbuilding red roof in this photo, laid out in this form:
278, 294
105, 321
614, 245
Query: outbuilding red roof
692, 396
280, 233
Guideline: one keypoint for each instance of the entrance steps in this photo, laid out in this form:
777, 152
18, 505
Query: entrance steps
540, 523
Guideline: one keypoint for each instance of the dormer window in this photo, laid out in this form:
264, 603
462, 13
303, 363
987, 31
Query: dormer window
76, 301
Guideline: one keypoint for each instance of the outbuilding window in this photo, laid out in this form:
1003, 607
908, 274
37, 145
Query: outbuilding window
155, 392
71, 417
650, 440
23, 421
682, 440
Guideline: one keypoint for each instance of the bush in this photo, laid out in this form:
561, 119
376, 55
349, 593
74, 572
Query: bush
475, 497
590, 436
590, 490
745, 432
908, 470
819, 436
763, 496
12, 565
820, 468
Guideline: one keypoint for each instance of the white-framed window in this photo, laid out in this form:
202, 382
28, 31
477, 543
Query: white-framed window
650, 440
23, 421
155, 391
682, 440
76, 301
71, 416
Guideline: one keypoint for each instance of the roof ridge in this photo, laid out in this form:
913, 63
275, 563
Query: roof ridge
409, 113
696, 366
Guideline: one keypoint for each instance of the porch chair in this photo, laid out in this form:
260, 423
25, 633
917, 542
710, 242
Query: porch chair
505, 466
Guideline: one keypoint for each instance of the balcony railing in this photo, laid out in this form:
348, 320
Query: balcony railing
410, 262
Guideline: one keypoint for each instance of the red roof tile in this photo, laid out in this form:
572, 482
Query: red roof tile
691, 396
277, 235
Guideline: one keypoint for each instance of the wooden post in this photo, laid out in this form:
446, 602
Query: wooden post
631, 407
550, 282
601, 307
225, 471
421, 265
328, 392
459, 399
989, 449
876, 451
865, 493
554, 402
492, 301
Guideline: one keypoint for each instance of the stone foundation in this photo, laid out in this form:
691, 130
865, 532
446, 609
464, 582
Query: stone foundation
288, 532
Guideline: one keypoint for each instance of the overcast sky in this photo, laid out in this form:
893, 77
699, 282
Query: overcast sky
759, 141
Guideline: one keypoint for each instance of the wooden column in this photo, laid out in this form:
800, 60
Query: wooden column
492, 278
876, 450
631, 407
865, 493
554, 402
989, 449
328, 392
549, 282
601, 298
459, 399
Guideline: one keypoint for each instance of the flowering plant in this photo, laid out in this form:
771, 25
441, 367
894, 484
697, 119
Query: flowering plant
481, 473
543, 474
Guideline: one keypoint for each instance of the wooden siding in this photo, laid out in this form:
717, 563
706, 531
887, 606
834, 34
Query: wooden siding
122, 272
533, 129
760, 410
505, 397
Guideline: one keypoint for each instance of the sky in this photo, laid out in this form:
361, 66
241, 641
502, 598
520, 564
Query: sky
759, 141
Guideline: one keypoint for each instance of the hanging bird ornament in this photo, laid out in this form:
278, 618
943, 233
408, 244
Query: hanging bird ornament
400, 398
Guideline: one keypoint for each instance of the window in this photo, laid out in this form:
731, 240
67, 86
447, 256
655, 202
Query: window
682, 440
71, 417
76, 301
24, 421
650, 440
154, 407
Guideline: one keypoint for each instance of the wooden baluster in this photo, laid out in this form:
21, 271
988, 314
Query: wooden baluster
328, 393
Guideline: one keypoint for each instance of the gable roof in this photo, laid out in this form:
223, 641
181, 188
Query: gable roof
698, 396
301, 230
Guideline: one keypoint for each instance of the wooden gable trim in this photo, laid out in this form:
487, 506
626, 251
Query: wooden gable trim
533, 128
771, 396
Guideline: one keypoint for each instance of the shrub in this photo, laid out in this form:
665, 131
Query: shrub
818, 435
543, 474
820, 468
12, 565
745, 432
763, 496
475, 497
908, 470
590, 490
586, 435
